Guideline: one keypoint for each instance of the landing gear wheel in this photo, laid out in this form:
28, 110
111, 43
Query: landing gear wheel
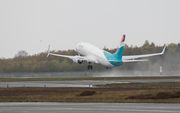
90, 67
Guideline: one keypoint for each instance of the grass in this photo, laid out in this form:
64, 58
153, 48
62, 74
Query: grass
129, 93
82, 78
142, 85
115, 97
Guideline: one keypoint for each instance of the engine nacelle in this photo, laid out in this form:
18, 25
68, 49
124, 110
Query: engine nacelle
78, 61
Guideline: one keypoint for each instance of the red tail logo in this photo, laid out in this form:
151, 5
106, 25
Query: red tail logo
123, 38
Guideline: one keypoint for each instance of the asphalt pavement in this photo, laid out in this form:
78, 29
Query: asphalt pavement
39, 107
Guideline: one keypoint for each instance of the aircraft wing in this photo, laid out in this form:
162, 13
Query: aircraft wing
77, 57
70, 57
134, 58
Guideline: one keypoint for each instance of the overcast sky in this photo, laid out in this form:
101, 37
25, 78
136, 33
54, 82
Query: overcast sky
32, 25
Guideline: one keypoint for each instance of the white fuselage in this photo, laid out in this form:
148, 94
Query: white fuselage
94, 53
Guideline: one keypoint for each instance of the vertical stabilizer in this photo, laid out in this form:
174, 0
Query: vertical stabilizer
119, 52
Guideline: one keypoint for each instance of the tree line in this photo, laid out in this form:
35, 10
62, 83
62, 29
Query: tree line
41, 63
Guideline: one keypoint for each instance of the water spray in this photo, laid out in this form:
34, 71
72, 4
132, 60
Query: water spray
160, 67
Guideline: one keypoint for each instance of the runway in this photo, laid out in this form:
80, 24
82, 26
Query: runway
79, 83
43, 107
88, 108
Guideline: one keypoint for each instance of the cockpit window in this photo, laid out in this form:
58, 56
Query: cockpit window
81, 46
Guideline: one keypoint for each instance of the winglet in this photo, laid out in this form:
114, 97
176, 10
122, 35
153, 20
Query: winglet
163, 50
48, 51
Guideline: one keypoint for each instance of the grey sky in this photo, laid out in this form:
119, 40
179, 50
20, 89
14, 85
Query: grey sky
32, 25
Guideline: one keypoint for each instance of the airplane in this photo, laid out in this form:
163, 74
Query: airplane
92, 54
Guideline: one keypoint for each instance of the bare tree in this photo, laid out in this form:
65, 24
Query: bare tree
21, 53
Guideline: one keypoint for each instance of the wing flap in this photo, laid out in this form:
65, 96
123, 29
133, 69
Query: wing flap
114, 61
141, 60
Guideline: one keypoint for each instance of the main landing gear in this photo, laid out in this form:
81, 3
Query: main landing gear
108, 68
90, 66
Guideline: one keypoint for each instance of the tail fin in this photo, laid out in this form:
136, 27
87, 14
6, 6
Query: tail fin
119, 52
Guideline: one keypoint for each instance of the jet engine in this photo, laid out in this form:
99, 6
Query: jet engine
78, 61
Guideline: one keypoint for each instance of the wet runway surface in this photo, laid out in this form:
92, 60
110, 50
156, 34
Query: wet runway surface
78, 83
30, 107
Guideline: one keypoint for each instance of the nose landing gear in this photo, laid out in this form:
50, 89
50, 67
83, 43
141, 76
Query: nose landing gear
108, 68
